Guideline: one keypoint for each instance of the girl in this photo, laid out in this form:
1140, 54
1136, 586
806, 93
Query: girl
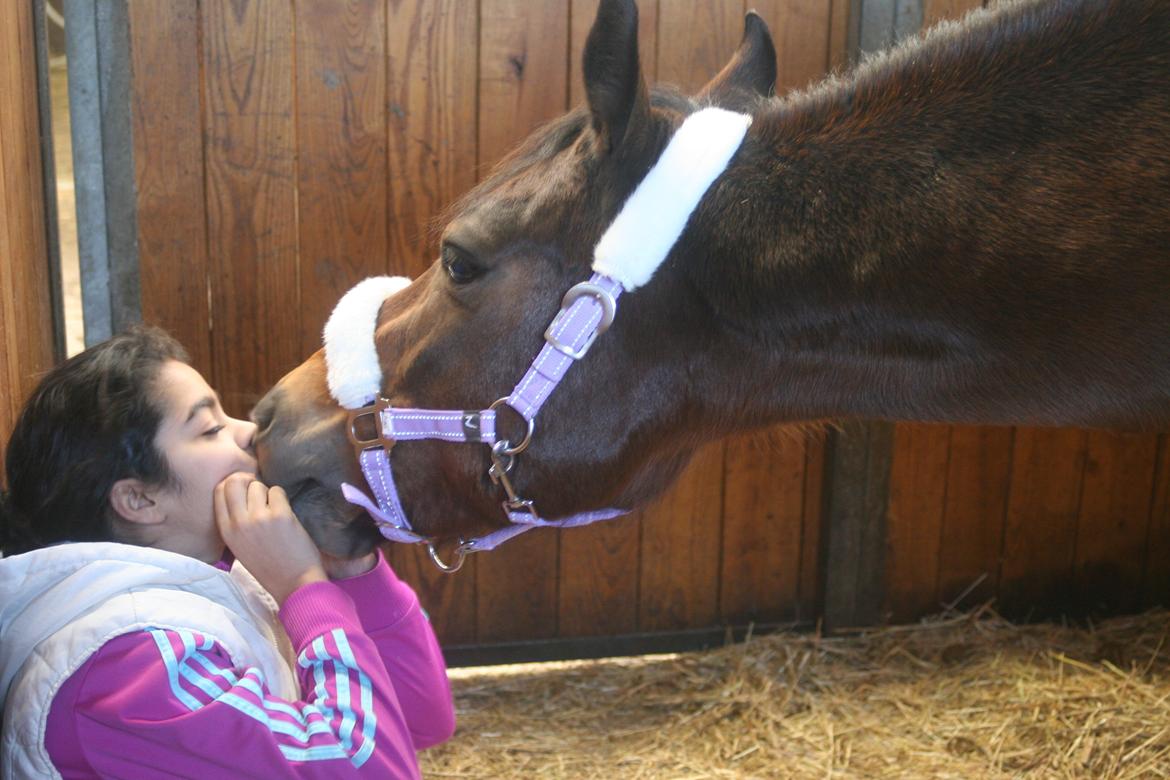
130, 646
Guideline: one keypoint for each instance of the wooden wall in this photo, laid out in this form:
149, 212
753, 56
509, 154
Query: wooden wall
285, 150
26, 320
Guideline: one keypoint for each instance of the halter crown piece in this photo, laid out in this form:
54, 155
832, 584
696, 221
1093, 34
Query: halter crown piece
630, 251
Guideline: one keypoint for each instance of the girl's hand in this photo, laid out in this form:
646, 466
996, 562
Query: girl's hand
259, 527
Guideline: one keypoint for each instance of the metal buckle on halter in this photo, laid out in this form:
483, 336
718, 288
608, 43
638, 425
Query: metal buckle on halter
608, 308
361, 445
520, 505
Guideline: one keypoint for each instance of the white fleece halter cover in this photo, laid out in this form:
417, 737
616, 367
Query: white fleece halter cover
651, 221
354, 374
631, 250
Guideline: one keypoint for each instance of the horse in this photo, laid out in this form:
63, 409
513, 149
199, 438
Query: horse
970, 227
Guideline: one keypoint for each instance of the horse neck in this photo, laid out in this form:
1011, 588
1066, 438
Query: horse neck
899, 244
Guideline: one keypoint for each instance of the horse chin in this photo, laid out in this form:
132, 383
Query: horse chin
336, 527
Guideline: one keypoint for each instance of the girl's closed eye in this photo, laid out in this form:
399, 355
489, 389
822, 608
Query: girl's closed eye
213, 432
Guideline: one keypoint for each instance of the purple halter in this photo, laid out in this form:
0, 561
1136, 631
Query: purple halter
645, 229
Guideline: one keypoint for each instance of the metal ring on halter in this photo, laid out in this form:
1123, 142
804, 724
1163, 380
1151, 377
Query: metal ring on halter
461, 551
527, 436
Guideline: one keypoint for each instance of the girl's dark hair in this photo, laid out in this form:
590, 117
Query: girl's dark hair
90, 422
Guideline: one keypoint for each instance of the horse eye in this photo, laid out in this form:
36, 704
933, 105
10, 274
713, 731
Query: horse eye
458, 265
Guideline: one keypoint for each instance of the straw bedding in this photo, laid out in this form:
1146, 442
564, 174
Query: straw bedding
957, 696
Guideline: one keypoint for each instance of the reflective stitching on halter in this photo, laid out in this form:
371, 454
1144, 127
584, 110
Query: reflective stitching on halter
437, 417
539, 365
390, 502
416, 435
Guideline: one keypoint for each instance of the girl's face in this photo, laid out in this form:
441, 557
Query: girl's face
202, 446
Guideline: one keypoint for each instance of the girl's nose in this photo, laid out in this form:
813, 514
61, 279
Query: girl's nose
245, 433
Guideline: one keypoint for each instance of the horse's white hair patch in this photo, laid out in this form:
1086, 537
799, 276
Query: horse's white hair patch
653, 218
353, 372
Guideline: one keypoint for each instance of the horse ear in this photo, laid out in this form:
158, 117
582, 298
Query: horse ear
613, 75
751, 72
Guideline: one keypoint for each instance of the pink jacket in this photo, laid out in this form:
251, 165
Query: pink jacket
161, 703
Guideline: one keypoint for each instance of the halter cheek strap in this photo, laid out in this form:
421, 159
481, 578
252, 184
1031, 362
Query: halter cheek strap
630, 251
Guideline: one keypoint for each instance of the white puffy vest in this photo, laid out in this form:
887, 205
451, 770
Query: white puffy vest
60, 604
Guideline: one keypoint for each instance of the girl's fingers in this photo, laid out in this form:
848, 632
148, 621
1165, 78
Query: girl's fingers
219, 504
257, 495
278, 500
235, 490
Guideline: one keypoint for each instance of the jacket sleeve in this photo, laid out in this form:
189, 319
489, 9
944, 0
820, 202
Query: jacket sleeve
156, 703
392, 618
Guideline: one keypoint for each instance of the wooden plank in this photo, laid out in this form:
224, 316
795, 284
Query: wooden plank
168, 172
857, 476
516, 589
449, 599
977, 478
431, 84
844, 25
26, 319
597, 592
251, 176
523, 82
1156, 577
914, 521
523, 72
432, 140
1114, 520
696, 38
12, 191
934, 11
598, 579
810, 598
801, 33
680, 549
1042, 509
763, 516
341, 153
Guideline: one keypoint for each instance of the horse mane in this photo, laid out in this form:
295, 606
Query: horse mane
1014, 48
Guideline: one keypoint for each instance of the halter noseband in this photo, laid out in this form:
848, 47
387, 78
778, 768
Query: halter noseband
629, 252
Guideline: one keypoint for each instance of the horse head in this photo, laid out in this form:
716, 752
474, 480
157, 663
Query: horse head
462, 334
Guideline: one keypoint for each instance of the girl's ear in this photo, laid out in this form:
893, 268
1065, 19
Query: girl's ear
132, 500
